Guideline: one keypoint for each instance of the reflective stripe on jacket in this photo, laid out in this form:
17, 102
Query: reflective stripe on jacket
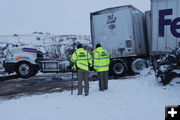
81, 59
101, 59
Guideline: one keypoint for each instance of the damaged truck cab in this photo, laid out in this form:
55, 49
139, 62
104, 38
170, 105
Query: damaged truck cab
27, 61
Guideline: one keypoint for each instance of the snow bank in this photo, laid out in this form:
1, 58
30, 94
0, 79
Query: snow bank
136, 98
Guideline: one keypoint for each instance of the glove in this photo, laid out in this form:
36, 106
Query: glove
73, 69
91, 68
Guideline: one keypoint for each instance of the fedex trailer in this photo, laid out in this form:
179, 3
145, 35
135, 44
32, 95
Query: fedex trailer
121, 31
165, 26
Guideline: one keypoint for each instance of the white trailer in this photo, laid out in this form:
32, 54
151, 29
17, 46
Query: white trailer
165, 26
121, 31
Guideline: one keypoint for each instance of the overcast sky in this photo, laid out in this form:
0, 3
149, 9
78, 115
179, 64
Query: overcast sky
55, 16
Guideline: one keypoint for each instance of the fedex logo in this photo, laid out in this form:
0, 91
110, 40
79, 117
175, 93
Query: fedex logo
173, 23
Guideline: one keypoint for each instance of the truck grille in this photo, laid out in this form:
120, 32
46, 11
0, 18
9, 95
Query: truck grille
39, 55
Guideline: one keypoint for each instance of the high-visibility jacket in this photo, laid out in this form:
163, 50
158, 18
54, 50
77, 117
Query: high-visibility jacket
101, 59
81, 59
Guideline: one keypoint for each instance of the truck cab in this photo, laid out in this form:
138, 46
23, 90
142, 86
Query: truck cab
25, 61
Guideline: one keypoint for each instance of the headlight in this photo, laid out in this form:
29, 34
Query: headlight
9, 59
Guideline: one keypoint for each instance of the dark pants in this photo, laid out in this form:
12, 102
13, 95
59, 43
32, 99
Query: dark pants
83, 76
103, 80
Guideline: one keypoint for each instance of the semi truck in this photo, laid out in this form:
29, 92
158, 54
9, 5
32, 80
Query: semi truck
26, 61
122, 32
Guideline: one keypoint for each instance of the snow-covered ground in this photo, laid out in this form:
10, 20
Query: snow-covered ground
137, 98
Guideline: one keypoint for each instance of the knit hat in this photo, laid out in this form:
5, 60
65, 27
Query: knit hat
79, 46
98, 45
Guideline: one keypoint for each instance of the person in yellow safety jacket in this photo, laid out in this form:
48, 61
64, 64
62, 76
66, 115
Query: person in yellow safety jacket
82, 61
101, 65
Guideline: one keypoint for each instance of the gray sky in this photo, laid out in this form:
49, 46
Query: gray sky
55, 16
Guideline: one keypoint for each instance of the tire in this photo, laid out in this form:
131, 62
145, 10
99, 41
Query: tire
24, 70
118, 68
94, 78
138, 65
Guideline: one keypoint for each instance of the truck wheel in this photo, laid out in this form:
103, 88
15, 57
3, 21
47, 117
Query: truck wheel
138, 65
118, 68
24, 70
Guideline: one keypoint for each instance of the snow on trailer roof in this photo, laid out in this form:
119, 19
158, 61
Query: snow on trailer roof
113, 8
157, 0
